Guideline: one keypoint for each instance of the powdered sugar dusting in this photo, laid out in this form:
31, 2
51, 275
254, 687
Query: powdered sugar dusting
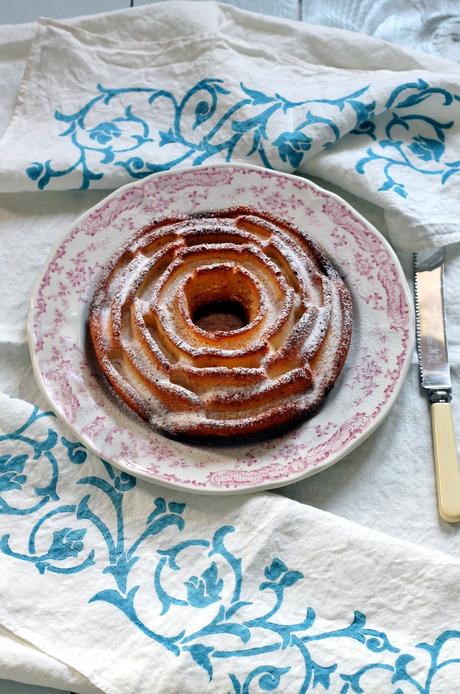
153, 288
378, 359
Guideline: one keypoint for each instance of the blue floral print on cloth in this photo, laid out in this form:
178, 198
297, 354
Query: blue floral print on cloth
243, 630
209, 122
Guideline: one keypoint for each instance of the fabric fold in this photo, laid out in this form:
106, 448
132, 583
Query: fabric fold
22, 662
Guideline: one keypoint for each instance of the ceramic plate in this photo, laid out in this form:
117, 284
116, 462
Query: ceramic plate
379, 357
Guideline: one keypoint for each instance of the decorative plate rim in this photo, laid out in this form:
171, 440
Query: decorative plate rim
250, 487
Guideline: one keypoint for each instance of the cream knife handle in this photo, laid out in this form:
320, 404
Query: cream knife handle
446, 463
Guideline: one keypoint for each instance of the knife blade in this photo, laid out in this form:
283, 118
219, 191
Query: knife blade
435, 376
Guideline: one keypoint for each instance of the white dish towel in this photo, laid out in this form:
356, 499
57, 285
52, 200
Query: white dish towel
143, 590
108, 584
106, 100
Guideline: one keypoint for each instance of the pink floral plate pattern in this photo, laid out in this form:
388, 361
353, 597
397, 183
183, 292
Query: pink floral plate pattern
379, 357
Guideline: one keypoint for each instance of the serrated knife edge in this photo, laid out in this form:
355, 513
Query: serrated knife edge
431, 336
417, 320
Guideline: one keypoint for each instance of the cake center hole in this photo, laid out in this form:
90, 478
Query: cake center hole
221, 316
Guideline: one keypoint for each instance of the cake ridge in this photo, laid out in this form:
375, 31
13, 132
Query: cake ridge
215, 383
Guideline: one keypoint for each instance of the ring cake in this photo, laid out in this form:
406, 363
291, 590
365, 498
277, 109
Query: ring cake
221, 325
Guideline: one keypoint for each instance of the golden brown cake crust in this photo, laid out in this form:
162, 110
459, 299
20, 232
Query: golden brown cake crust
278, 363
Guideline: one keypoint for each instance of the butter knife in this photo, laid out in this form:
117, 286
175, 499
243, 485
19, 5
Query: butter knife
435, 377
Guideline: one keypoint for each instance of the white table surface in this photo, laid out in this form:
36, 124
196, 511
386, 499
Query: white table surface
15, 11
8, 687
329, 12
